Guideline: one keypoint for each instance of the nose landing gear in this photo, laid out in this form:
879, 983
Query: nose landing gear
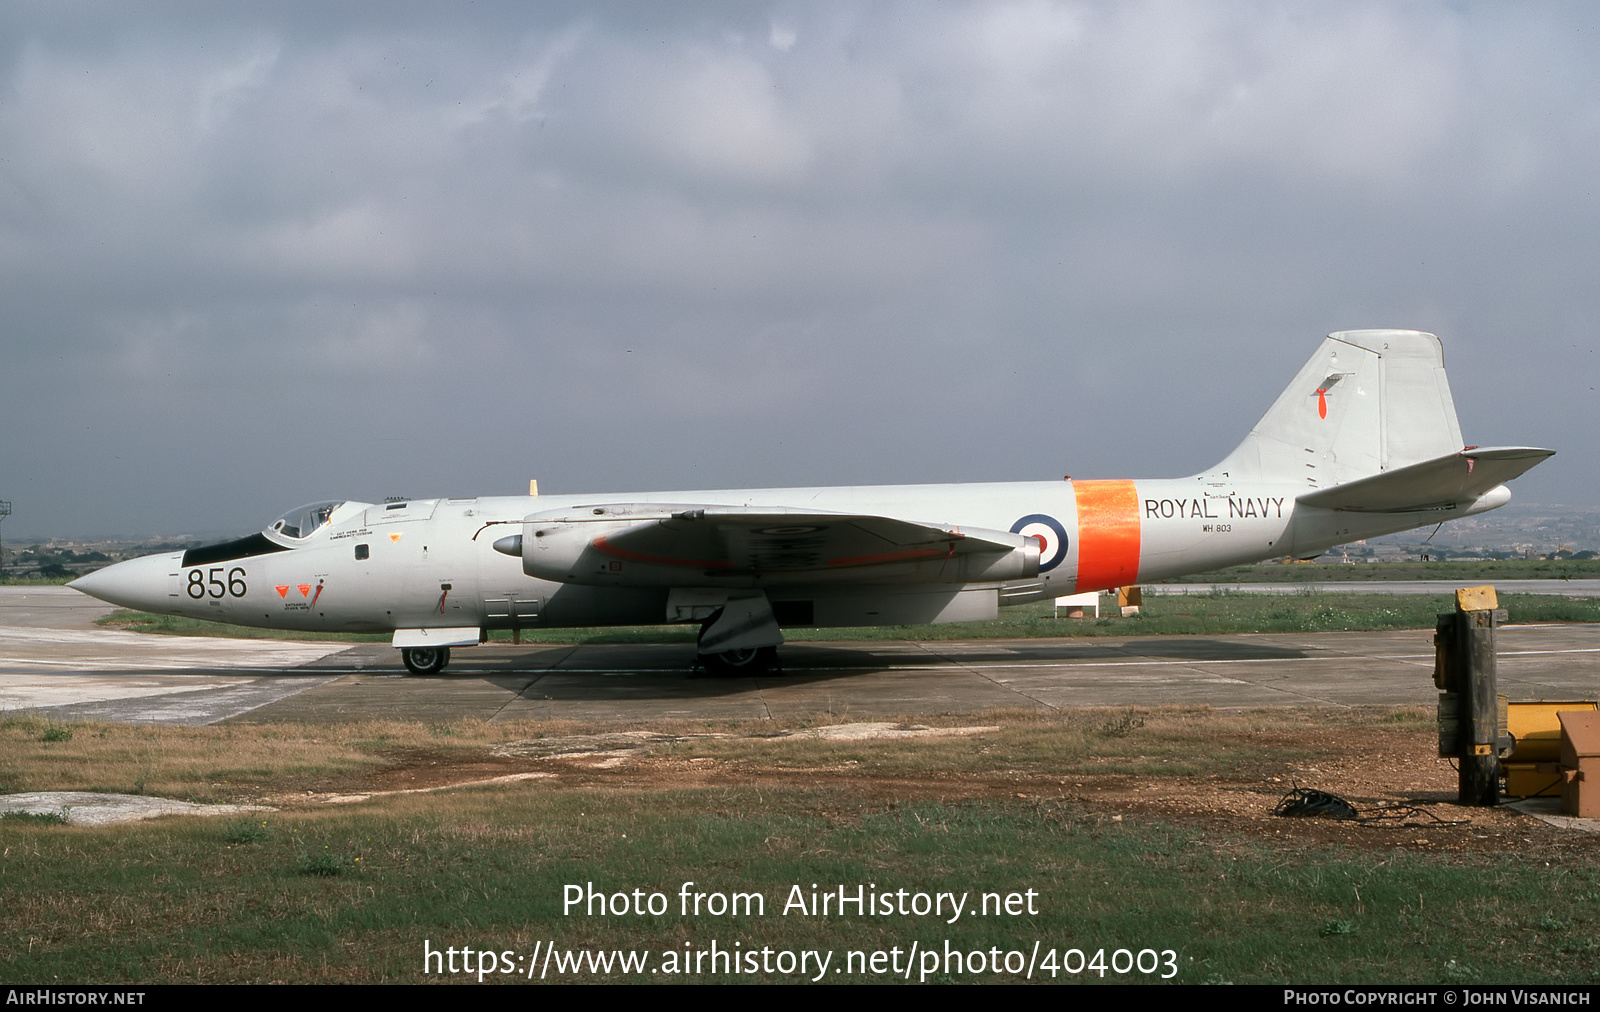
425, 660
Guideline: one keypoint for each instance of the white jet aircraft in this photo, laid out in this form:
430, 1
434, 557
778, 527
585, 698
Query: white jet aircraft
1363, 442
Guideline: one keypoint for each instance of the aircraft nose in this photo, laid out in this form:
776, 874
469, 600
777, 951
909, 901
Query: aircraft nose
145, 584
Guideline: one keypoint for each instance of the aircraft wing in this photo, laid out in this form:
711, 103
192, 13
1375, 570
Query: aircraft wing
647, 544
1434, 484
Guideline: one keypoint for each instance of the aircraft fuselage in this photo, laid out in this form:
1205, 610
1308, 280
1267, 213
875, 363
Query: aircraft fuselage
430, 564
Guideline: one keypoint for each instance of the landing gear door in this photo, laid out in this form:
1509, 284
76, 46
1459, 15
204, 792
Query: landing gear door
512, 610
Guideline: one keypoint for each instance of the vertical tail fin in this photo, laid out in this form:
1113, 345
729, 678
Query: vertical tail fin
1368, 401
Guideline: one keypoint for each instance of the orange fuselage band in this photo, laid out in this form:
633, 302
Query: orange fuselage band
1108, 534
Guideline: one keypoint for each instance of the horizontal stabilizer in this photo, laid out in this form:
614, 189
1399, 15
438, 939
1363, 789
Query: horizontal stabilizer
1440, 483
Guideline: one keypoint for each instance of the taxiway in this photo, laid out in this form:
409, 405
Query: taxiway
55, 662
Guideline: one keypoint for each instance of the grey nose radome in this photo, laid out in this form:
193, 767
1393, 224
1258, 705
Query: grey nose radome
143, 584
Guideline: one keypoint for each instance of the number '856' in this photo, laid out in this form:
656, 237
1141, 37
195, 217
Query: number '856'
209, 582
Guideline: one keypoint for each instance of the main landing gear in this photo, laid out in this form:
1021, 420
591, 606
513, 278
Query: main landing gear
740, 639
425, 660
747, 663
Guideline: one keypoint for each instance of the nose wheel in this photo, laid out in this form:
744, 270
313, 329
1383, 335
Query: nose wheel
425, 660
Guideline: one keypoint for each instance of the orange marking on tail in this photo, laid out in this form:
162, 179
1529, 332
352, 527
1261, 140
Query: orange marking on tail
1108, 534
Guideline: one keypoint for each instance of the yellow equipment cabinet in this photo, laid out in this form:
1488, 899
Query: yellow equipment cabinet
1533, 769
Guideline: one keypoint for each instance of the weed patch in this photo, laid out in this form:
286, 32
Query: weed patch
1122, 725
245, 831
323, 863
36, 818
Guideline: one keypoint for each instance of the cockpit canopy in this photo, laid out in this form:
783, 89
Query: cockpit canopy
303, 522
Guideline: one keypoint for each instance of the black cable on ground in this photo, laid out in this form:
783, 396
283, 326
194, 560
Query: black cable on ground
1306, 803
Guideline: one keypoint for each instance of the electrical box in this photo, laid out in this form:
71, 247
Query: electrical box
1580, 763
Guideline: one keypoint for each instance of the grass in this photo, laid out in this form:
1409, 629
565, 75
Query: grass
325, 863
173, 625
35, 818
246, 830
1467, 572
1224, 613
247, 763
353, 893
209, 764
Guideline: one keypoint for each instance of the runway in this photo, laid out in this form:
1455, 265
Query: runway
54, 662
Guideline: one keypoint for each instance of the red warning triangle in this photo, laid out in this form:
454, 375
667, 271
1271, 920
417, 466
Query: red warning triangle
282, 591
303, 588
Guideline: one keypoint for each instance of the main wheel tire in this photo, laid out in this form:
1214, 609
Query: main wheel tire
746, 663
425, 660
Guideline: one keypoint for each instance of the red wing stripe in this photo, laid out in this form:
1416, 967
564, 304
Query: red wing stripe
1108, 534
601, 544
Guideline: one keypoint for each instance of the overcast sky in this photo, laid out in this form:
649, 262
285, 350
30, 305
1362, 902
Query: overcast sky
252, 256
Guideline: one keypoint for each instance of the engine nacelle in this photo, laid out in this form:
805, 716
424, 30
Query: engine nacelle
677, 546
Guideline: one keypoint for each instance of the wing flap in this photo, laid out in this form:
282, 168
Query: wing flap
1440, 483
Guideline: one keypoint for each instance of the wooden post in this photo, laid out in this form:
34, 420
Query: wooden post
1464, 669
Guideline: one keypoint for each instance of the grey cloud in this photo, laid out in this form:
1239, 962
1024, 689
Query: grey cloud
256, 255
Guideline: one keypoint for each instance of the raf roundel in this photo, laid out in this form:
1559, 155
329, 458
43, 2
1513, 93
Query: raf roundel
1052, 538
